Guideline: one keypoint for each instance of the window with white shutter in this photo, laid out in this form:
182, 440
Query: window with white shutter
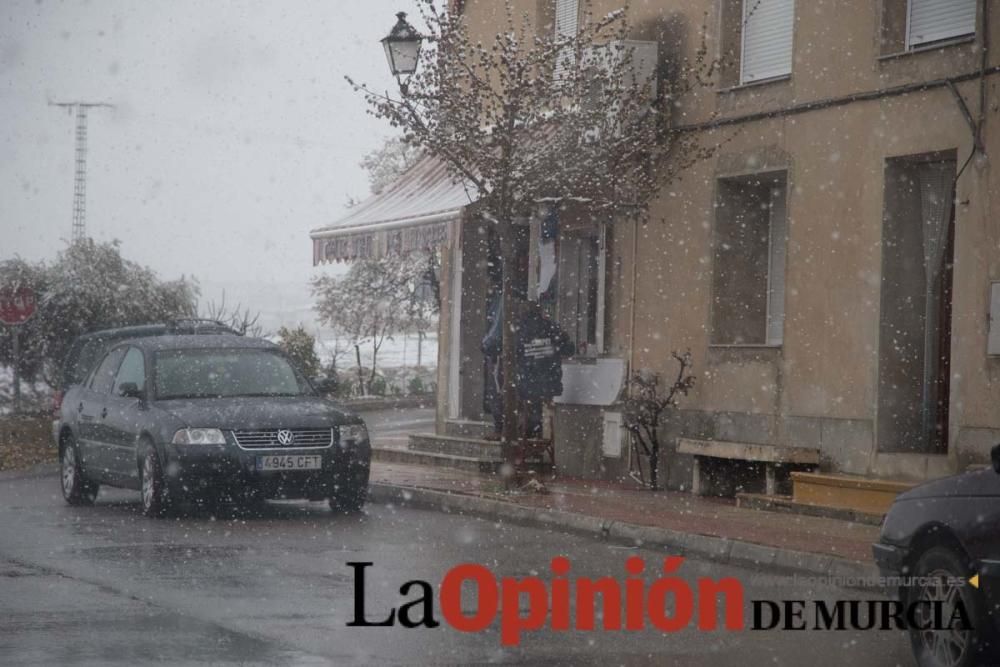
566, 25
930, 21
767, 39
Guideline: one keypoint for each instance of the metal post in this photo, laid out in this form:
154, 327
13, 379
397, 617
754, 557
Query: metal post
17, 369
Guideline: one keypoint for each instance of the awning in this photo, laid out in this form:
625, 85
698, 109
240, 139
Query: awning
412, 213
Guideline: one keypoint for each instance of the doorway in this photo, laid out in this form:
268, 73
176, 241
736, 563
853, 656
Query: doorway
918, 238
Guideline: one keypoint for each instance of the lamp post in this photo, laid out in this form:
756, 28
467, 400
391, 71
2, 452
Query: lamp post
402, 49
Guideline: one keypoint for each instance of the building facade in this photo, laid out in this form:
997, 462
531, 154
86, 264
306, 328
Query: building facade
831, 267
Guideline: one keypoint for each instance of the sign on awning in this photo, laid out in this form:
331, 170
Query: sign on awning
413, 213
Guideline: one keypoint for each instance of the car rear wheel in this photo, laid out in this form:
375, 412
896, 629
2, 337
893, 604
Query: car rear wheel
941, 580
154, 496
76, 488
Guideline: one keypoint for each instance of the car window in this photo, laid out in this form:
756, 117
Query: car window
82, 359
133, 369
104, 376
208, 373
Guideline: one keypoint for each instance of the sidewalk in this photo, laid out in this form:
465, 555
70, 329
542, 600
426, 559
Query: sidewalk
710, 527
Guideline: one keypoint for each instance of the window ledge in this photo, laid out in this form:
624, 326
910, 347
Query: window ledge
744, 346
741, 354
924, 48
755, 84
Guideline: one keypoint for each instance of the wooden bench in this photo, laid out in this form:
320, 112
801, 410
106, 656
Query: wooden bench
770, 455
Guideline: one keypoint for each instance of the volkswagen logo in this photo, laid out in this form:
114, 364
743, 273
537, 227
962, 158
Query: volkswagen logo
285, 437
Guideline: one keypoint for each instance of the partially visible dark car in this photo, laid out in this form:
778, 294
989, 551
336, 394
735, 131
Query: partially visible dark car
218, 415
935, 538
89, 348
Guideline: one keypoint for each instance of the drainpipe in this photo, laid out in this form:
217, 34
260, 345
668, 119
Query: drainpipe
631, 329
983, 62
976, 129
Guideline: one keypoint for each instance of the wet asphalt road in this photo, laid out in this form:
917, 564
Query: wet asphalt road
103, 585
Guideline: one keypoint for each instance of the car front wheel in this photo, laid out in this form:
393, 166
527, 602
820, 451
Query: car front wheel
154, 500
941, 583
76, 488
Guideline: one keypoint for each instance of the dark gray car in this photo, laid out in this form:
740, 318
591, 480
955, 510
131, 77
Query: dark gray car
940, 541
216, 415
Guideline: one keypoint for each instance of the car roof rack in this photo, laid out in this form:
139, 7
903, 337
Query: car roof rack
195, 322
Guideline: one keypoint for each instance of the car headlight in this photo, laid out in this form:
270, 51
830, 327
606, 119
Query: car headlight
348, 434
199, 436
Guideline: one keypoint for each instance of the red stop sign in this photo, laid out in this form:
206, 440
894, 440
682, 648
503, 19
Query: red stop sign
17, 304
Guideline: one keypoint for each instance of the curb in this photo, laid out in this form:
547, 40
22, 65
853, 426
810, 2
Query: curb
372, 404
777, 504
35, 471
717, 549
478, 466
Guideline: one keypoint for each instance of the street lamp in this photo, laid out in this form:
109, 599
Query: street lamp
402, 47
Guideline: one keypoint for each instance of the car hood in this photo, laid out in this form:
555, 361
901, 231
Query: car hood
257, 413
975, 483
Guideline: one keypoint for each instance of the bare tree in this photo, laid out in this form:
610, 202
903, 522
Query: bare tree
334, 353
388, 162
365, 304
646, 406
238, 317
419, 293
529, 117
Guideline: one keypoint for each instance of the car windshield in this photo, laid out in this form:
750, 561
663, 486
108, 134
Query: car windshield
220, 373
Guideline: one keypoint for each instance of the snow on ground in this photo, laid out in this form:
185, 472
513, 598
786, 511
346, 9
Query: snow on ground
401, 351
35, 397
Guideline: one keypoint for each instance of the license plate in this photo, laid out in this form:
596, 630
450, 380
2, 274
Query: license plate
289, 462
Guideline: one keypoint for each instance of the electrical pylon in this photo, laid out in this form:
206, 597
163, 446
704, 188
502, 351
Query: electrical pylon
80, 164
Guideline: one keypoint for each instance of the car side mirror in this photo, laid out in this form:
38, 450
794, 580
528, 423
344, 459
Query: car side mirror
995, 458
130, 390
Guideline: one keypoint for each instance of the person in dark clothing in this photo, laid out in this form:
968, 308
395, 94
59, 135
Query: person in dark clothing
493, 399
541, 347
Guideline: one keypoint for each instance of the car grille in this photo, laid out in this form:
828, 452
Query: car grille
301, 437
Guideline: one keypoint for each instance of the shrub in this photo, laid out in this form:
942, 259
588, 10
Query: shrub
416, 386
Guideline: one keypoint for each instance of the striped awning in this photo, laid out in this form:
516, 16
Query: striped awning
413, 213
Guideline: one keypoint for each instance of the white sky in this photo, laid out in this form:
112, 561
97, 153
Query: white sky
234, 134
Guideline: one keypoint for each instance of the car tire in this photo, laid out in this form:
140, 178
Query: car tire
947, 648
76, 488
152, 484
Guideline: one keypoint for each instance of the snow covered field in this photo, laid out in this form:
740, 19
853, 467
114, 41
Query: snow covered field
35, 397
397, 353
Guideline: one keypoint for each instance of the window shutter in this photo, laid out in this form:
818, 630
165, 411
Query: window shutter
567, 24
935, 20
567, 14
767, 39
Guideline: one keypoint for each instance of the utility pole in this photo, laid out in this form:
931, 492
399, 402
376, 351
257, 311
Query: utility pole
80, 170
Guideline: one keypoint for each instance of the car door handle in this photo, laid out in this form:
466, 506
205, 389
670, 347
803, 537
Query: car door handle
104, 413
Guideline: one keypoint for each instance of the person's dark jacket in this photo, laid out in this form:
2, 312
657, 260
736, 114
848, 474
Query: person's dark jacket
541, 347
492, 341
